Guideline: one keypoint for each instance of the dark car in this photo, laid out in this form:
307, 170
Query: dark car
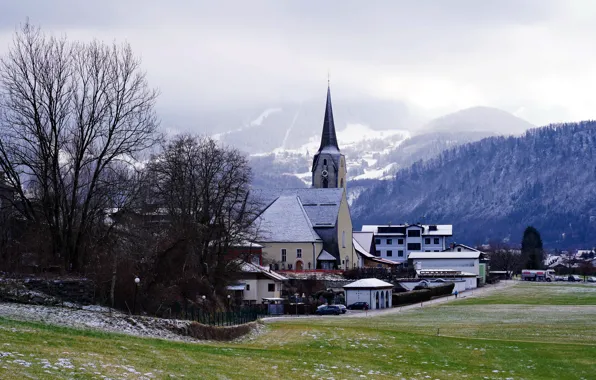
329, 309
359, 306
574, 278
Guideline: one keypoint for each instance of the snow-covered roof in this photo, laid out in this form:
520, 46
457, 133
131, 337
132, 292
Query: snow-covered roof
325, 256
254, 268
427, 229
444, 255
369, 283
285, 220
463, 246
321, 205
362, 241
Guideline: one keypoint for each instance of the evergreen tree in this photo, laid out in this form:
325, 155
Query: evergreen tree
531, 249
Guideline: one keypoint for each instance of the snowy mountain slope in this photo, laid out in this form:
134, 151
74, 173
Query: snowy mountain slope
494, 188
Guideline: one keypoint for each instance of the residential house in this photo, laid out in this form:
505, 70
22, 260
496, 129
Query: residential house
256, 284
363, 245
396, 242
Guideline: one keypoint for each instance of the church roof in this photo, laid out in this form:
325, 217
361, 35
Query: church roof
285, 220
321, 205
328, 138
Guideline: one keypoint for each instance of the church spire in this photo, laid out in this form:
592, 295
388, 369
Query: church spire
328, 138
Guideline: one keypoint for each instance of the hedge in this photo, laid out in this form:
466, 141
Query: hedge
438, 291
221, 333
414, 296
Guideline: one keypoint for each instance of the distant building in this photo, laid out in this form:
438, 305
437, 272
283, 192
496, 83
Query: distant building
450, 264
363, 245
396, 242
375, 292
256, 283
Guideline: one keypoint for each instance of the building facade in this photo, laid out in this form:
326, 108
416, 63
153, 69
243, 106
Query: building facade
396, 242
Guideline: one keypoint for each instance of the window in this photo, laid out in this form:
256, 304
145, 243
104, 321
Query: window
427, 250
437, 241
436, 250
400, 241
413, 233
343, 238
341, 182
377, 253
427, 241
309, 265
325, 162
299, 253
283, 255
389, 253
271, 287
377, 241
459, 250
400, 253
248, 287
413, 246
389, 241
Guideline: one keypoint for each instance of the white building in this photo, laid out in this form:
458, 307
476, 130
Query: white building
396, 242
377, 293
256, 283
449, 264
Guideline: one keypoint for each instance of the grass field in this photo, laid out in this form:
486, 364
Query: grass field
528, 331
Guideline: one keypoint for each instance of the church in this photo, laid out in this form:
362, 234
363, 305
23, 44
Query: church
310, 228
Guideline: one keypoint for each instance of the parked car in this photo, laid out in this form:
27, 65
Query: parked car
560, 278
329, 309
574, 277
359, 306
342, 308
591, 279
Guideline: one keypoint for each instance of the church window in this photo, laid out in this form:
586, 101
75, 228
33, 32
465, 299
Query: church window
283, 255
341, 182
343, 239
299, 253
325, 162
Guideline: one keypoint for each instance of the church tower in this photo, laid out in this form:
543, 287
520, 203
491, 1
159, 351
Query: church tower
329, 165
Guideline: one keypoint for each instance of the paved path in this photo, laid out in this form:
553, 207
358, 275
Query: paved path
479, 292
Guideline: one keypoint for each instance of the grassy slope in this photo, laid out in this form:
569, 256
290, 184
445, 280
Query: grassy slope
549, 339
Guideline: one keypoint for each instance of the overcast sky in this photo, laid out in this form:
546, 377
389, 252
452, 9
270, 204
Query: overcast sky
534, 58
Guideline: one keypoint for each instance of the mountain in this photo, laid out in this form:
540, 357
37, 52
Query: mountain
495, 187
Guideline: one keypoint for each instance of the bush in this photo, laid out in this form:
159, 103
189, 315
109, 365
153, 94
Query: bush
414, 296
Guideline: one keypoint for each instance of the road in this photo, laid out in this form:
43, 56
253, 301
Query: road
479, 292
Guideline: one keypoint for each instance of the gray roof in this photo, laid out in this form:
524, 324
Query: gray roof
326, 256
321, 205
285, 220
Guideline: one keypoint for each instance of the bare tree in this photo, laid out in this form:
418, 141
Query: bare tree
203, 189
504, 258
72, 116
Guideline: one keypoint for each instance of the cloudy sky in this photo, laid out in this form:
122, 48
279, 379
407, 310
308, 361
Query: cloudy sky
533, 58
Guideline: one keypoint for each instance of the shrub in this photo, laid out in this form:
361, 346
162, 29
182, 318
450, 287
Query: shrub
414, 296
438, 291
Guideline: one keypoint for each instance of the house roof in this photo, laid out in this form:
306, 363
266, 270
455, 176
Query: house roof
246, 267
326, 256
466, 247
369, 283
363, 240
399, 229
285, 220
444, 255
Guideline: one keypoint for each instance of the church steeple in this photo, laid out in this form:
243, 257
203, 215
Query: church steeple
329, 165
328, 138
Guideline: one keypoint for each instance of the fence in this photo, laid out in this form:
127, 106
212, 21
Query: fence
218, 318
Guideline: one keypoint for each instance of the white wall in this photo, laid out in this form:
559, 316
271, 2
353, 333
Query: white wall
369, 296
462, 265
259, 289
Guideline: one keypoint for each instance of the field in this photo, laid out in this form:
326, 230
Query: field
527, 331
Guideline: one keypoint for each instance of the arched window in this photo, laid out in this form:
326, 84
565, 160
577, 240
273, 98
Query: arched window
325, 161
343, 239
341, 182
387, 298
309, 265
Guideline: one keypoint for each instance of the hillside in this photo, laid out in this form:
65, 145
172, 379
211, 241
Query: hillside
495, 187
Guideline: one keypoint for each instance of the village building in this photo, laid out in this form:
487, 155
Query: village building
463, 266
396, 242
256, 284
310, 228
363, 245
375, 292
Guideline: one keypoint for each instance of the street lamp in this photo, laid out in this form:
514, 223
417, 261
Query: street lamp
229, 299
134, 302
